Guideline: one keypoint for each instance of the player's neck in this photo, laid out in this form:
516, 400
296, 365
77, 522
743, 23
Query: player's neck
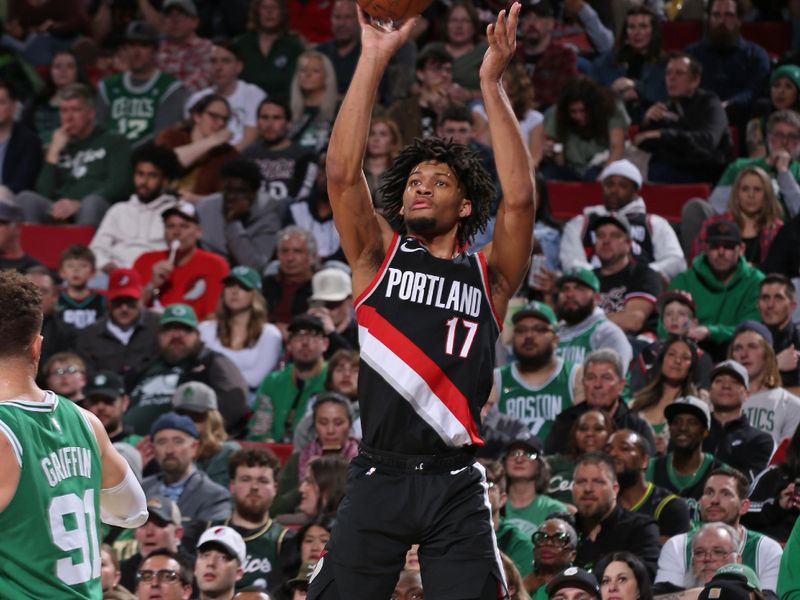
440, 245
18, 382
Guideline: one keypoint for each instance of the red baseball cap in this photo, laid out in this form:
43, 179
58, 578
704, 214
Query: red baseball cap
124, 283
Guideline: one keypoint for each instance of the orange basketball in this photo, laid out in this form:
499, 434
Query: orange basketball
393, 10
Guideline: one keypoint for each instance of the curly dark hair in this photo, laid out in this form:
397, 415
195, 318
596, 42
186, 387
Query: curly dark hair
599, 104
21, 315
472, 177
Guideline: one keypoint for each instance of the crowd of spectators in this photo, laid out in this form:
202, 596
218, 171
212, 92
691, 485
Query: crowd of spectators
643, 431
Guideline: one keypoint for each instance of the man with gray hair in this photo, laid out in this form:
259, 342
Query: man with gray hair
603, 382
87, 168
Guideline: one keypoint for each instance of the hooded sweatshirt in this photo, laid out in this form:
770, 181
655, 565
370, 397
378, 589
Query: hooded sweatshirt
721, 306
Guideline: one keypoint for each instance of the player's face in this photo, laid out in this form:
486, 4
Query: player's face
591, 431
76, 272
710, 550
109, 576
313, 542
66, 378
148, 181
344, 378
156, 534
236, 298
253, 490
677, 318
175, 451
533, 338
622, 448
186, 232
216, 571
726, 391
677, 362
273, 124
77, 117
409, 587
611, 243
160, 588
774, 305
720, 501
593, 490
332, 424
618, 191
602, 385
433, 201
686, 431
747, 349
309, 494
225, 67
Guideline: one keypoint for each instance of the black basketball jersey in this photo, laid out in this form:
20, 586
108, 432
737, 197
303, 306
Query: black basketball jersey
427, 330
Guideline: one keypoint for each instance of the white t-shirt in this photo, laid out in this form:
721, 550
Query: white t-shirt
244, 101
254, 363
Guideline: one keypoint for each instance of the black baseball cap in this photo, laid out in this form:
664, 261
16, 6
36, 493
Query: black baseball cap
723, 231
574, 577
306, 321
106, 384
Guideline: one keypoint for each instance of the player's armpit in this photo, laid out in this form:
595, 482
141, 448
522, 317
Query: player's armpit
11, 471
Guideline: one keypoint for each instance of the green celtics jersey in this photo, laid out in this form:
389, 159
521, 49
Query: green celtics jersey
132, 109
536, 406
50, 546
263, 548
575, 348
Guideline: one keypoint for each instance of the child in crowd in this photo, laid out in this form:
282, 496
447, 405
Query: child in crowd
78, 305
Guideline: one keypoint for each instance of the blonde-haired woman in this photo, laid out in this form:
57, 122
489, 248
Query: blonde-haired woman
313, 99
198, 401
754, 207
383, 144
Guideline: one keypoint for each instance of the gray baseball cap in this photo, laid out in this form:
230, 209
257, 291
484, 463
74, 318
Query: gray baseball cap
692, 405
731, 367
194, 396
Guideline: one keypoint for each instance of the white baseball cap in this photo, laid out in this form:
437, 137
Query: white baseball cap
226, 537
624, 168
330, 285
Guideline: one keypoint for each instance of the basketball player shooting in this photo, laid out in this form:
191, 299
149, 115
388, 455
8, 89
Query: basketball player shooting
60, 472
429, 316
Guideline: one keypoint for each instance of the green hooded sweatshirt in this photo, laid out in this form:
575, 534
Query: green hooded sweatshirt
721, 306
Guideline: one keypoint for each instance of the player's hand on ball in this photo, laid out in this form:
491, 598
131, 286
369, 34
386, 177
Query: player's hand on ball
502, 38
383, 38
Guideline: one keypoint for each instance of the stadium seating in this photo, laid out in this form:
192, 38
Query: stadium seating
46, 242
282, 451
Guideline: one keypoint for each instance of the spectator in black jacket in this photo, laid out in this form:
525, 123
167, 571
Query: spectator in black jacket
603, 382
12, 256
602, 524
58, 336
732, 440
776, 304
20, 149
124, 340
687, 137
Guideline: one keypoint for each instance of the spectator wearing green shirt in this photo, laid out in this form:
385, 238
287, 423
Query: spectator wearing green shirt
86, 168
282, 398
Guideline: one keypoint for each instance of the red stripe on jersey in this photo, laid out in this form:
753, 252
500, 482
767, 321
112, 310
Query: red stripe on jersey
415, 359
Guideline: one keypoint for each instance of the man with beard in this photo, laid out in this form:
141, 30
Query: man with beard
123, 340
723, 285
105, 397
686, 467
603, 526
586, 327
135, 226
184, 273
628, 288
631, 455
734, 69
175, 441
253, 475
181, 356
776, 305
603, 382
538, 385
654, 242
724, 500
240, 224
289, 170
282, 398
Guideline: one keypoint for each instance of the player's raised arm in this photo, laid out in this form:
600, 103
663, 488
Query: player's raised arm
347, 188
510, 250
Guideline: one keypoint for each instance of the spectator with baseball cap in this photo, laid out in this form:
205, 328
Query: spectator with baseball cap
573, 583
629, 289
105, 397
769, 407
181, 356
332, 302
684, 469
221, 555
724, 287
298, 585
732, 439
654, 240
282, 398
198, 401
585, 326
175, 444
123, 340
183, 273
239, 328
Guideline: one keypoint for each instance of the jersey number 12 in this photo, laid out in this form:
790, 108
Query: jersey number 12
81, 535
